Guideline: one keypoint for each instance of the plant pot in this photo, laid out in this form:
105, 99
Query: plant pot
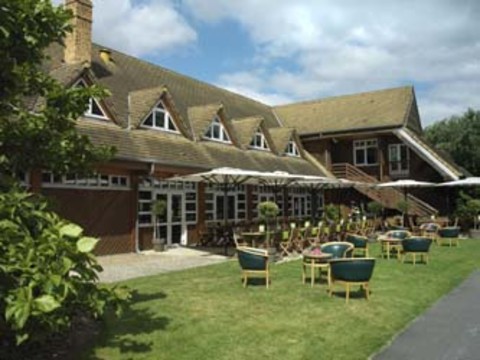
474, 233
158, 244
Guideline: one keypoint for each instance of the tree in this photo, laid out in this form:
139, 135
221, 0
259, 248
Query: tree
47, 270
46, 138
459, 136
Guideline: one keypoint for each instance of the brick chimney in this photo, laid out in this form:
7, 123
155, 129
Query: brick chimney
78, 43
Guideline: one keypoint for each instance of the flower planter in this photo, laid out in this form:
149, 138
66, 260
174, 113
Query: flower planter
158, 245
474, 233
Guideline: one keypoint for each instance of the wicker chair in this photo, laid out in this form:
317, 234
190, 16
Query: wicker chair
351, 272
253, 262
360, 243
449, 235
416, 245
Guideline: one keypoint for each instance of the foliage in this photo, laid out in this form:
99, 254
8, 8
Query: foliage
467, 210
267, 210
332, 212
45, 138
403, 206
47, 271
159, 207
375, 208
459, 136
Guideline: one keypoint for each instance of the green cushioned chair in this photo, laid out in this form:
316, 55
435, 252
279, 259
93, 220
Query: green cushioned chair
338, 249
253, 262
351, 272
416, 245
449, 235
398, 234
360, 243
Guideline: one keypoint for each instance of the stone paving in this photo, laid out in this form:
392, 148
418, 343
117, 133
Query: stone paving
129, 266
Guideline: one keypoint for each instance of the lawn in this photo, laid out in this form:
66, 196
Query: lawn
205, 313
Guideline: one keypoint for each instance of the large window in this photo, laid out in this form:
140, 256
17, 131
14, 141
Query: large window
217, 132
267, 193
95, 181
292, 149
259, 141
365, 152
398, 159
237, 203
160, 119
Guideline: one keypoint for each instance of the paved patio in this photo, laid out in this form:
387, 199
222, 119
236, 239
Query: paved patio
129, 266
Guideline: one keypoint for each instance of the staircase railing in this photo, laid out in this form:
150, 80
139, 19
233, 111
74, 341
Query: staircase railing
388, 197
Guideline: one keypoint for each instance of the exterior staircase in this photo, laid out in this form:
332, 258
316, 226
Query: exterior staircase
388, 197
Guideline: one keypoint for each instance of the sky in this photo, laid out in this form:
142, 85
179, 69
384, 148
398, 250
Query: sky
283, 51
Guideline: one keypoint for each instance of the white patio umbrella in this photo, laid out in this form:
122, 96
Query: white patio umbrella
405, 185
469, 181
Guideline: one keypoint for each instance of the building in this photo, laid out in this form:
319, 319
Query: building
164, 124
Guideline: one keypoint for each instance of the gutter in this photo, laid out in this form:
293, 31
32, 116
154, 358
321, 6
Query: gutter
322, 135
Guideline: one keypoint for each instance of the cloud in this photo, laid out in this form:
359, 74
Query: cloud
140, 28
350, 46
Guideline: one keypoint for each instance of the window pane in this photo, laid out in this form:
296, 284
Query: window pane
160, 119
96, 109
216, 132
149, 120
371, 155
359, 156
225, 136
171, 126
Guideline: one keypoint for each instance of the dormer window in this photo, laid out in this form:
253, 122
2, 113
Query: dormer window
160, 119
259, 141
216, 131
94, 110
292, 149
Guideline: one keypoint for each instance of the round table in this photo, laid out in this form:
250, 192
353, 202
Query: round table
315, 261
388, 244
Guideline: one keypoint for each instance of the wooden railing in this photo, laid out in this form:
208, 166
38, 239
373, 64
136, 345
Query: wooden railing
388, 197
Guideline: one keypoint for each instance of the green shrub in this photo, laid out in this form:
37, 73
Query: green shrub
48, 273
374, 208
267, 210
332, 212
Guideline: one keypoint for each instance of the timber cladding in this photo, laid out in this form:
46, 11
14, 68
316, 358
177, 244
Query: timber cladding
106, 214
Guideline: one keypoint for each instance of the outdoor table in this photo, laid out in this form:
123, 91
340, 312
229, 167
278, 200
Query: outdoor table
388, 244
315, 261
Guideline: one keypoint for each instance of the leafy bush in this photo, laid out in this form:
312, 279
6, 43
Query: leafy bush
403, 206
48, 273
468, 210
332, 212
267, 210
374, 208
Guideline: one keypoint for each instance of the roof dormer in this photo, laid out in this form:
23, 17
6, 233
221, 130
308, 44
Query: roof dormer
216, 131
259, 140
292, 149
160, 119
95, 109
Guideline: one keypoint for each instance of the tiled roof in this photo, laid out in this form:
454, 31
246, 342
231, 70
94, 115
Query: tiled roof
245, 128
281, 136
175, 150
384, 108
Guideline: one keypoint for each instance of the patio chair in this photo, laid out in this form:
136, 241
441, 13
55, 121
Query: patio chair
449, 235
360, 243
414, 246
430, 230
253, 262
338, 249
239, 241
351, 272
288, 242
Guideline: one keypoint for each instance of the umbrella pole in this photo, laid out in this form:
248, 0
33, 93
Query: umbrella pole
225, 216
405, 198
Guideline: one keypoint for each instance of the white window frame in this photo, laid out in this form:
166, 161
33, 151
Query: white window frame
364, 145
160, 108
263, 193
398, 147
213, 191
94, 182
292, 149
224, 137
88, 112
259, 137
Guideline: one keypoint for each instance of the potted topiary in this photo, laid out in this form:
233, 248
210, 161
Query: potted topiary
159, 208
268, 211
403, 206
468, 212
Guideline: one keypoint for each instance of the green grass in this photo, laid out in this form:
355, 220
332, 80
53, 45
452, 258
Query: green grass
205, 313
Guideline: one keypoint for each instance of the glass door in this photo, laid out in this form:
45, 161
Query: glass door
171, 225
